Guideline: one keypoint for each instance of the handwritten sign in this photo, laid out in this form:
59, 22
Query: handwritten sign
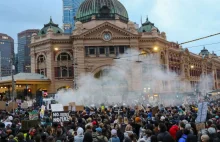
2, 105
79, 108
56, 107
202, 112
60, 116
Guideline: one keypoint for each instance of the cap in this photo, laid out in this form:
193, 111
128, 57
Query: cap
113, 132
98, 129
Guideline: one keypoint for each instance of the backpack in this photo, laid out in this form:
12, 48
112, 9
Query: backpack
100, 139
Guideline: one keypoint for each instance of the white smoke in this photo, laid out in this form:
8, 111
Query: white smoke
132, 79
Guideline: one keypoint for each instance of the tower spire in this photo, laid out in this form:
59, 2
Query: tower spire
147, 18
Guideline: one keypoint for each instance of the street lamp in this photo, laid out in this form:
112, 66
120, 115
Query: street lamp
56, 48
155, 48
192, 66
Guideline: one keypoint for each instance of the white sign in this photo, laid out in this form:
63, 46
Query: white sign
24, 105
57, 107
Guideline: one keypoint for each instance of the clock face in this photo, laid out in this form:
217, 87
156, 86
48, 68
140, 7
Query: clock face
107, 36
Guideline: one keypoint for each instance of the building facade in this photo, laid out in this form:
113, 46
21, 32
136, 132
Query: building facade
103, 33
6, 53
24, 60
70, 8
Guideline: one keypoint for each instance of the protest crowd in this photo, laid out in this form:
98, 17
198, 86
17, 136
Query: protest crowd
112, 124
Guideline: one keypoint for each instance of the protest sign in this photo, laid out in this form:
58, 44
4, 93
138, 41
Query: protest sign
72, 106
200, 126
60, 116
202, 112
11, 106
27, 124
2, 105
79, 108
33, 115
154, 110
18, 101
65, 108
24, 105
56, 107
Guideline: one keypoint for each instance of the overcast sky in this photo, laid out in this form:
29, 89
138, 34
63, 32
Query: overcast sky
182, 20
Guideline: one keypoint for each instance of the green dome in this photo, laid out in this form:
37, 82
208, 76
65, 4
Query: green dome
147, 27
102, 10
51, 25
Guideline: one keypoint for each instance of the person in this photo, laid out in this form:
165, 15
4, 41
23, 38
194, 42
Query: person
163, 135
79, 137
213, 135
184, 136
99, 137
114, 137
173, 130
88, 137
181, 130
205, 138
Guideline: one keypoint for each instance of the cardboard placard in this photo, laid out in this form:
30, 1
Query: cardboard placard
11, 106
60, 116
24, 105
2, 105
200, 126
65, 108
79, 108
57, 107
154, 110
27, 124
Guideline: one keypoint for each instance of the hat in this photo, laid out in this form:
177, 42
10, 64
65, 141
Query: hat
137, 119
188, 126
204, 137
98, 129
10, 118
94, 123
162, 118
113, 132
211, 130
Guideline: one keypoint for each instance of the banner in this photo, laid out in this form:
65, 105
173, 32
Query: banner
60, 116
27, 124
202, 112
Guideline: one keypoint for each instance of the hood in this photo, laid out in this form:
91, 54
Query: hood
80, 131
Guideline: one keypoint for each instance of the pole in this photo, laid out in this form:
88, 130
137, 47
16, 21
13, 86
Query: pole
12, 78
74, 71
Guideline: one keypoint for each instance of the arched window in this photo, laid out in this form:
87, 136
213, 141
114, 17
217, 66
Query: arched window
41, 59
63, 57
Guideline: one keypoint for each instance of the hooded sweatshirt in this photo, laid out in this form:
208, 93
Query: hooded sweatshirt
80, 136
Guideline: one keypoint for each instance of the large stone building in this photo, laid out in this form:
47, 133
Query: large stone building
103, 32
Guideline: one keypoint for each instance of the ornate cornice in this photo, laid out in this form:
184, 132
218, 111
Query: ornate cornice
51, 41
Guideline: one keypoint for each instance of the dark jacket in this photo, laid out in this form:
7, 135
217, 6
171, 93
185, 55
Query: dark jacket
164, 137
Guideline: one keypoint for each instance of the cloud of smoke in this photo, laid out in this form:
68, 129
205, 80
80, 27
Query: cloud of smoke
133, 79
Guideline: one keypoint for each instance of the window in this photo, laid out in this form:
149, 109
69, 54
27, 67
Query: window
121, 50
112, 50
63, 57
101, 50
64, 72
91, 51
41, 59
4, 37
